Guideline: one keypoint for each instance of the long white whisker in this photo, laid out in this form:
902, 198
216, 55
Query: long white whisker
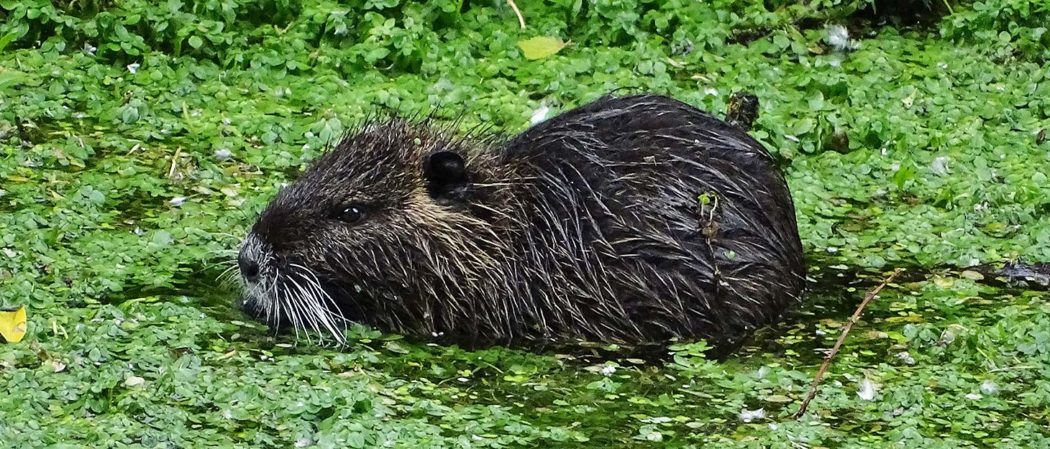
315, 298
303, 309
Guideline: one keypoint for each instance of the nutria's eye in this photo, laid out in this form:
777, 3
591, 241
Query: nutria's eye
352, 213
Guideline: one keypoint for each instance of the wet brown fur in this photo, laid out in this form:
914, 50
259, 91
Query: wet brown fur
585, 227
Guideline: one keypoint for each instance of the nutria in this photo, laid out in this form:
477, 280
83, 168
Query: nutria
631, 220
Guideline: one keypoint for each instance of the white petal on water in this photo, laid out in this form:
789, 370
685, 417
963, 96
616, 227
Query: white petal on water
762, 372
134, 381
906, 358
867, 390
751, 415
223, 154
539, 115
838, 38
939, 166
988, 387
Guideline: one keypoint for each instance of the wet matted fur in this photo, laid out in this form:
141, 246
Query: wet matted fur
630, 220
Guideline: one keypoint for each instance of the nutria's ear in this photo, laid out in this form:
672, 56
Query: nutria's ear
446, 175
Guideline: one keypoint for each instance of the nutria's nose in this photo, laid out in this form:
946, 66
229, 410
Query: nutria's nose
249, 268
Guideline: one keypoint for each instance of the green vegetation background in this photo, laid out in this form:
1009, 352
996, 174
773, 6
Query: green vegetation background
138, 138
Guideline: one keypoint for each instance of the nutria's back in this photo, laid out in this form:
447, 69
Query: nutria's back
629, 220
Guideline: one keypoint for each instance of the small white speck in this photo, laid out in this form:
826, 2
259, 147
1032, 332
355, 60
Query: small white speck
832, 249
227, 414
973, 396
138, 231
940, 166
463, 379
57, 366
90, 49
906, 358
838, 38
948, 336
223, 154
437, 334
773, 426
133, 67
608, 370
762, 372
942, 65
820, 332
539, 115
867, 390
134, 381
475, 438
177, 201
988, 387
226, 121
751, 415
711, 91
303, 442
654, 436
980, 207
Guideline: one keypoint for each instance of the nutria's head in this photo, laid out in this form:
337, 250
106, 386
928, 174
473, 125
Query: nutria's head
376, 223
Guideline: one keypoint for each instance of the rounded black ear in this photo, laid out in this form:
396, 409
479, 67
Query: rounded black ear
446, 174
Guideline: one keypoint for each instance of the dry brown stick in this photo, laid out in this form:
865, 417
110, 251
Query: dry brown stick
838, 344
521, 19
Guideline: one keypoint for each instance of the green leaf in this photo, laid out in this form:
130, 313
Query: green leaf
11, 78
540, 47
196, 41
6, 39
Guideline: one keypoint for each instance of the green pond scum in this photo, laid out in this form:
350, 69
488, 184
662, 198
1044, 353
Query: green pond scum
139, 139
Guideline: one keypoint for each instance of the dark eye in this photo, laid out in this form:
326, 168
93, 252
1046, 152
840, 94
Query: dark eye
352, 213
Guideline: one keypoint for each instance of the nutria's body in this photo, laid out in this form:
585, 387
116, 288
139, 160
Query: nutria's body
589, 226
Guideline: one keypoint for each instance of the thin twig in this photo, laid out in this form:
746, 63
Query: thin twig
174, 162
838, 344
517, 12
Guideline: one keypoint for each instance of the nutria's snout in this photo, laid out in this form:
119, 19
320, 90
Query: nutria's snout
249, 268
250, 260
283, 293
